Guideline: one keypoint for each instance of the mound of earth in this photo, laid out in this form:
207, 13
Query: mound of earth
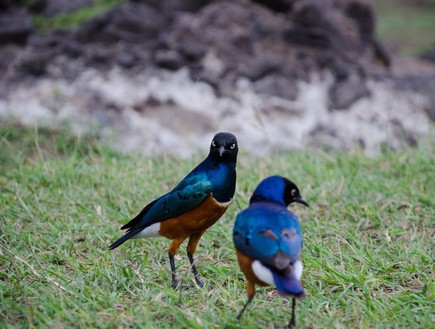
219, 64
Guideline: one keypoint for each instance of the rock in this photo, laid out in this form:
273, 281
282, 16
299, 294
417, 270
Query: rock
15, 27
52, 40
361, 11
37, 6
430, 108
343, 94
262, 68
8, 55
429, 56
277, 5
327, 138
175, 119
36, 63
277, 85
129, 22
56, 7
73, 49
272, 44
6, 4
340, 73
173, 6
252, 50
421, 84
169, 59
99, 56
344, 27
126, 59
319, 24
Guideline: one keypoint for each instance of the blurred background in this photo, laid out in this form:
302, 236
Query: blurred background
162, 76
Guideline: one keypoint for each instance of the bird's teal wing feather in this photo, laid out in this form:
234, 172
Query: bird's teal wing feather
188, 194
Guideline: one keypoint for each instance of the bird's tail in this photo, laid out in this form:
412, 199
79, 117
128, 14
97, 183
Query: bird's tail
288, 284
124, 238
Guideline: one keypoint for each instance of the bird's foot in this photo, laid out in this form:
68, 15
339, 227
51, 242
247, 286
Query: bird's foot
175, 284
199, 282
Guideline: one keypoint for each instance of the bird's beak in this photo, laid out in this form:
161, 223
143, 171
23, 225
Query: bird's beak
221, 150
302, 201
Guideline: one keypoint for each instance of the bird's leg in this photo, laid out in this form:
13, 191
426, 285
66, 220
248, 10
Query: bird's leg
191, 247
250, 287
195, 271
173, 248
244, 307
292, 323
174, 275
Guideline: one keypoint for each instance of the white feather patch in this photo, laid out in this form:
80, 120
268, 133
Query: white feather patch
224, 204
148, 232
298, 269
262, 273
265, 275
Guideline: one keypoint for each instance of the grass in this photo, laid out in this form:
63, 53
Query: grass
409, 24
69, 20
368, 240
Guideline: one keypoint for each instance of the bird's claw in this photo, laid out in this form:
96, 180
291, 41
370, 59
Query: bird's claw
199, 282
175, 284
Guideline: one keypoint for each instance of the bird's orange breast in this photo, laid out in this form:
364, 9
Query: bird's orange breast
196, 220
245, 263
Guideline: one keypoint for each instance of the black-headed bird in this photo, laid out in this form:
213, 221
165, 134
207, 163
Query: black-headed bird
194, 205
268, 241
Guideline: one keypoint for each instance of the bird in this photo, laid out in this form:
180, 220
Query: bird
268, 241
195, 204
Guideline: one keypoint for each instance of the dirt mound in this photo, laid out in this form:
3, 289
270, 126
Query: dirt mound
272, 45
282, 74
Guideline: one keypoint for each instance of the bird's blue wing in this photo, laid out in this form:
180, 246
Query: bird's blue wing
248, 238
189, 193
272, 237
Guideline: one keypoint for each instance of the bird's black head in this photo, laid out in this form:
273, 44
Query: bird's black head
292, 194
278, 189
224, 147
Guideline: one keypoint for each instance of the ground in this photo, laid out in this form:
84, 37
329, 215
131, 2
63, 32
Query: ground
368, 240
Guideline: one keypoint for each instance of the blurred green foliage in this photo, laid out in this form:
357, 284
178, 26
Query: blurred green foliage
407, 24
73, 19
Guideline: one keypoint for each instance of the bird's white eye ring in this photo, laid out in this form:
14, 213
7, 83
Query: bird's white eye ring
213, 143
233, 146
293, 192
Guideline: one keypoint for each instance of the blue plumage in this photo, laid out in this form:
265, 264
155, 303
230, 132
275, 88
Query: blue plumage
250, 237
268, 239
193, 205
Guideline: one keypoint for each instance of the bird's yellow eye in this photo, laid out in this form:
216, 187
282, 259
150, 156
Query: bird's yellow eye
233, 146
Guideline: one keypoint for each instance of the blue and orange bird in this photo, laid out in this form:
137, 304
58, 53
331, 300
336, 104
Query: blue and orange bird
268, 241
194, 205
